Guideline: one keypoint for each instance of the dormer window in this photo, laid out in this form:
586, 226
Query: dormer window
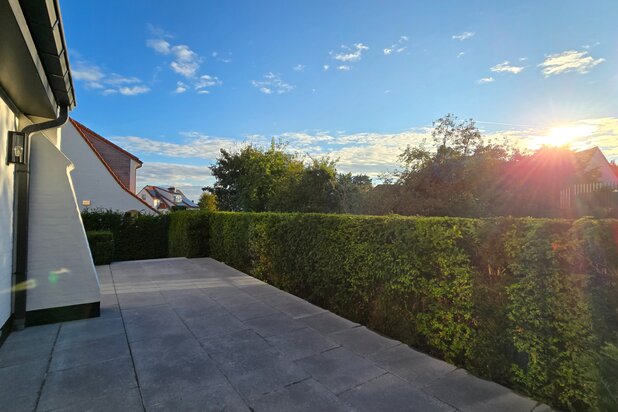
177, 198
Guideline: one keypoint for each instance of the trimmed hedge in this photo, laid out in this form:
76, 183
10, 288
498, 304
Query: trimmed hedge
529, 303
135, 236
101, 244
188, 234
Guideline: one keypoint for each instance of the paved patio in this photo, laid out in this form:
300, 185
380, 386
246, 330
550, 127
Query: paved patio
196, 335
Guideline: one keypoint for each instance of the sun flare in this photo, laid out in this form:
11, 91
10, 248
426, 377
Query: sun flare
563, 135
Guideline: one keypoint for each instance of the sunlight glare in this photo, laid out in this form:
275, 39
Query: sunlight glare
563, 136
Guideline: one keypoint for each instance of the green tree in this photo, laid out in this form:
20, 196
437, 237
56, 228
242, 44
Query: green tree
208, 201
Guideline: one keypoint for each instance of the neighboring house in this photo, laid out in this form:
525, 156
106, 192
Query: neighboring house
46, 271
164, 200
594, 159
105, 174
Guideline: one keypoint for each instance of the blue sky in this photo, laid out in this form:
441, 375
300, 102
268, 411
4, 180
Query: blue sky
357, 80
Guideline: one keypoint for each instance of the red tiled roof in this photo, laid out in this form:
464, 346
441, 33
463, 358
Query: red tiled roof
82, 130
89, 133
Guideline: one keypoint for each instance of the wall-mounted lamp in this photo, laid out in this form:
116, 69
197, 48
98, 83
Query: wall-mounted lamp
17, 149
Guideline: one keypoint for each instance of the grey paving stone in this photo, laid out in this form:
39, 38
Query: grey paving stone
87, 330
214, 324
77, 385
300, 309
195, 307
152, 322
411, 365
43, 333
251, 364
279, 298
165, 379
228, 300
17, 352
304, 396
301, 343
339, 369
123, 400
390, 393
362, 340
110, 311
169, 348
20, 384
219, 397
328, 322
274, 324
79, 354
140, 299
469, 393
252, 310
258, 289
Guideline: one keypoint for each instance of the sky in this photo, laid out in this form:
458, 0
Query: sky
175, 81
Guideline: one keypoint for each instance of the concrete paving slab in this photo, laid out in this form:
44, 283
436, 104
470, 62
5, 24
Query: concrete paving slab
339, 369
251, 310
328, 322
301, 309
81, 384
88, 330
216, 398
301, 343
152, 322
413, 366
214, 324
100, 350
470, 393
274, 324
140, 299
122, 400
362, 341
304, 396
393, 394
20, 384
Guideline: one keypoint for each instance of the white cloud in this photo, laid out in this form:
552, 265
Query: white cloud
506, 67
569, 61
397, 47
94, 77
344, 68
205, 81
299, 68
486, 80
188, 178
463, 36
326, 67
180, 87
217, 56
159, 45
461, 54
350, 54
272, 84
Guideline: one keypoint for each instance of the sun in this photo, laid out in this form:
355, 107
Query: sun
563, 135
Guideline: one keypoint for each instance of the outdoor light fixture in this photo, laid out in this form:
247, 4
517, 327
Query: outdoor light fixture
17, 148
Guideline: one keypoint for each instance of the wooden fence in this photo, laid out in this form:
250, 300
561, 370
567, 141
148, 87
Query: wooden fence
570, 194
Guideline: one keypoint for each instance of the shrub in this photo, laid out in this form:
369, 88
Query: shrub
101, 246
188, 234
135, 236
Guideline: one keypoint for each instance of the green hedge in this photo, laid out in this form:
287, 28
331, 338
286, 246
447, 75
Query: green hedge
188, 234
529, 303
135, 236
101, 246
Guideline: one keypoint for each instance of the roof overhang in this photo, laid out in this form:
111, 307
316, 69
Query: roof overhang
35, 73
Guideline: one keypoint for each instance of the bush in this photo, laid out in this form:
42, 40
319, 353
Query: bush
529, 303
188, 234
101, 246
135, 236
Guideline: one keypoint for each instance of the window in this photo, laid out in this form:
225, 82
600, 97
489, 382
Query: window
156, 202
177, 198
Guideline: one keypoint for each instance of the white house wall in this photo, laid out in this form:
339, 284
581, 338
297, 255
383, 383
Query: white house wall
8, 121
92, 180
60, 268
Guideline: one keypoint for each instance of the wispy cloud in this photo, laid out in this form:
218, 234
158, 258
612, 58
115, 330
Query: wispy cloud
188, 178
569, 61
463, 36
486, 80
460, 55
397, 47
218, 57
184, 62
344, 68
95, 78
349, 54
299, 68
326, 67
506, 67
272, 84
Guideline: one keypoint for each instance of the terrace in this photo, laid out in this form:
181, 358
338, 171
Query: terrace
180, 334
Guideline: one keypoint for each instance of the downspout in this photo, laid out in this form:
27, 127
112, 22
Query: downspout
21, 202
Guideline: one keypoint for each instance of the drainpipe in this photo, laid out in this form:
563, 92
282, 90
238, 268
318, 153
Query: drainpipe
21, 201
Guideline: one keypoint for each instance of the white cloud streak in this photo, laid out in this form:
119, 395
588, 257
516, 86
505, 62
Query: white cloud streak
272, 84
485, 80
569, 61
349, 54
506, 67
95, 78
397, 47
463, 36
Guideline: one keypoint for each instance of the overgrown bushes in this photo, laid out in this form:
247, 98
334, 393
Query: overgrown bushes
101, 245
134, 236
